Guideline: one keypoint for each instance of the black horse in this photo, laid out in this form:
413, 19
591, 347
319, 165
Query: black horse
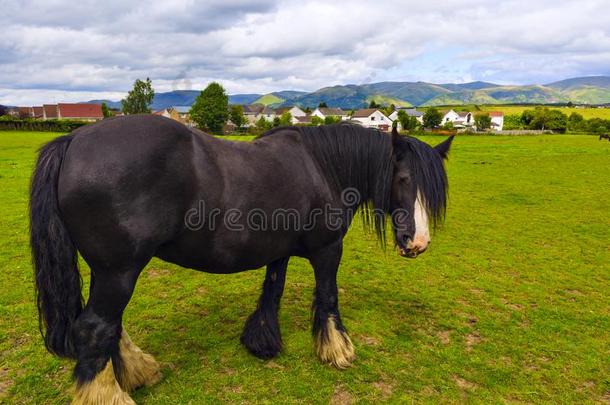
126, 189
604, 136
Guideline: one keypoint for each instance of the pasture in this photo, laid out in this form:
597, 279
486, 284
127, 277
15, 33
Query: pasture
587, 113
509, 304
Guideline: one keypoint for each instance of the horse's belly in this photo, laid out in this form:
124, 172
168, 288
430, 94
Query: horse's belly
227, 255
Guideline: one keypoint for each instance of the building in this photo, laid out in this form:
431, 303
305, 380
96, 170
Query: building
458, 119
251, 111
267, 113
497, 120
183, 112
295, 113
49, 112
372, 118
80, 112
323, 112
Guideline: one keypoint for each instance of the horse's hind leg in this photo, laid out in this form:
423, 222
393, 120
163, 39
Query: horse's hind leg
331, 341
261, 334
108, 364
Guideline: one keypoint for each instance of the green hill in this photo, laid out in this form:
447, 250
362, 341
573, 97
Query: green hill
268, 99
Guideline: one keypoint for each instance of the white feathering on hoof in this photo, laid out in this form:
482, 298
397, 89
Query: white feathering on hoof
138, 368
104, 389
334, 346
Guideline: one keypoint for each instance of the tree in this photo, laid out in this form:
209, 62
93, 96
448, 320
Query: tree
542, 118
322, 105
3, 110
315, 120
211, 108
285, 119
482, 121
106, 111
331, 119
373, 104
432, 118
262, 124
139, 99
448, 126
407, 122
576, 122
236, 115
307, 110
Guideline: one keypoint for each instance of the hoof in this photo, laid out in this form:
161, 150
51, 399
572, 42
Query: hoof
137, 368
333, 346
103, 389
261, 336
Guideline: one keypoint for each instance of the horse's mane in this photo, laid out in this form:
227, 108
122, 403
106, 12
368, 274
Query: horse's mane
428, 173
352, 156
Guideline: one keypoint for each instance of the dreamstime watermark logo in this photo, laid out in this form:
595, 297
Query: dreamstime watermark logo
330, 217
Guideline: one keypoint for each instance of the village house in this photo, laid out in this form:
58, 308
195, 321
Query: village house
267, 113
80, 112
183, 114
251, 111
323, 112
168, 113
462, 119
372, 118
295, 113
497, 120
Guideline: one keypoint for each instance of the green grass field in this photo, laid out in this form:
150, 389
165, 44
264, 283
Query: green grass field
587, 113
509, 305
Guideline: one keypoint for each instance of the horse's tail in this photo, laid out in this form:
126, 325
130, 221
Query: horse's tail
58, 281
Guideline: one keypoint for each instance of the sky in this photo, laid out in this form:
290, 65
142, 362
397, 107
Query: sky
56, 50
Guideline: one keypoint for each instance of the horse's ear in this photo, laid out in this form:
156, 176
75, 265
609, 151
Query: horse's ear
443, 147
395, 135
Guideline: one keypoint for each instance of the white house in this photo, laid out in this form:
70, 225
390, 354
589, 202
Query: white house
267, 113
295, 113
458, 119
372, 118
497, 120
251, 112
411, 112
323, 112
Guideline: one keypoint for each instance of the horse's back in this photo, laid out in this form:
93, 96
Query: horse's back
125, 185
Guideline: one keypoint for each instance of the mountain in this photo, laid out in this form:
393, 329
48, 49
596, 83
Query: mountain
580, 90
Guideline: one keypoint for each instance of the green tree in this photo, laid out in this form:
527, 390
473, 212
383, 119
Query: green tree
211, 108
307, 110
448, 126
331, 119
482, 121
140, 98
106, 111
373, 104
322, 105
285, 119
315, 120
407, 122
512, 121
576, 122
236, 115
432, 118
262, 125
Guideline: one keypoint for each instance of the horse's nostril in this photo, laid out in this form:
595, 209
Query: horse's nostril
405, 239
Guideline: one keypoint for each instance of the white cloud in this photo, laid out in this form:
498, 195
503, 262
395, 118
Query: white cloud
56, 48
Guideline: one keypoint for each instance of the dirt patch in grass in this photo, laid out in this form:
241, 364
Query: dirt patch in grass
463, 384
341, 396
5, 382
385, 388
472, 339
444, 336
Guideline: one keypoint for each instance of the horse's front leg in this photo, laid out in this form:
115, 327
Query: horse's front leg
261, 334
332, 344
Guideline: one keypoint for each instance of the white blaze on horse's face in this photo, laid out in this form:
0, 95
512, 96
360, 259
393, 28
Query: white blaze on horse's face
421, 239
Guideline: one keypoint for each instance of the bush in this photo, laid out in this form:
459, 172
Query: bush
12, 124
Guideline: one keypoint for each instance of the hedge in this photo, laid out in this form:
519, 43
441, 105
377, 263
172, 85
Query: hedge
43, 126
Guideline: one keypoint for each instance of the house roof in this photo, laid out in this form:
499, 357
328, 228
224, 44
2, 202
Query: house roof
496, 114
160, 112
253, 108
304, 120
50, 110
326, 111
463, 113
411, 112
80, 110
268, 110
182, 109
364, 112
281, 110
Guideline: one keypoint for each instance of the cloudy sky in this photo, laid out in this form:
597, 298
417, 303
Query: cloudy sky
56, 50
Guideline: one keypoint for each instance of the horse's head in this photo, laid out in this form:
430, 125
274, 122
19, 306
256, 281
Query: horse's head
419, 191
